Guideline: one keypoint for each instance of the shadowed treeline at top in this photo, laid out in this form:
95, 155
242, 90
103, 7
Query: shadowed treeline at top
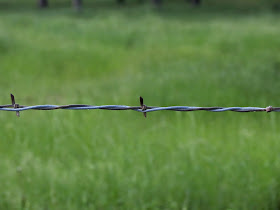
77, 4
274, 5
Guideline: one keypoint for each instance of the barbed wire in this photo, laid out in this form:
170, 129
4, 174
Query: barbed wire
142, 108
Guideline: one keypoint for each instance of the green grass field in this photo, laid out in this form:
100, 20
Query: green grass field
118, 159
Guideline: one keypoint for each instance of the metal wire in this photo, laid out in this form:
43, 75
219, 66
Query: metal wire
142, 108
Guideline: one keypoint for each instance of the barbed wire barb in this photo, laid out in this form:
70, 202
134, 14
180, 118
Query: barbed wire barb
14, 104
142, 108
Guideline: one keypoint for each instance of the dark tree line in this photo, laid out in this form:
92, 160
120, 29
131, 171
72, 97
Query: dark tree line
195, 2
78, 3
43, 3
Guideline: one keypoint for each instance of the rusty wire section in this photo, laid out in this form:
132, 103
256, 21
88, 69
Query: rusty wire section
142, 108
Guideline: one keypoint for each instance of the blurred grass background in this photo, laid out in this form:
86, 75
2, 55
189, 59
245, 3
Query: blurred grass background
176, 55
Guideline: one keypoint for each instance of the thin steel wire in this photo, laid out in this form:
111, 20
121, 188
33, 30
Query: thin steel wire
142, 108
138, 108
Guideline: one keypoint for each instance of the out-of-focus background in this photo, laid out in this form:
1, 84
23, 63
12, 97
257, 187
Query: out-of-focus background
196, 53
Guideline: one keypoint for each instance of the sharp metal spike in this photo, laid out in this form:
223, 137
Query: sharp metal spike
143, 106
13, 99
14, 104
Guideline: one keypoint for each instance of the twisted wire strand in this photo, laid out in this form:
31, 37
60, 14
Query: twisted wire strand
142, 108
138, 108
